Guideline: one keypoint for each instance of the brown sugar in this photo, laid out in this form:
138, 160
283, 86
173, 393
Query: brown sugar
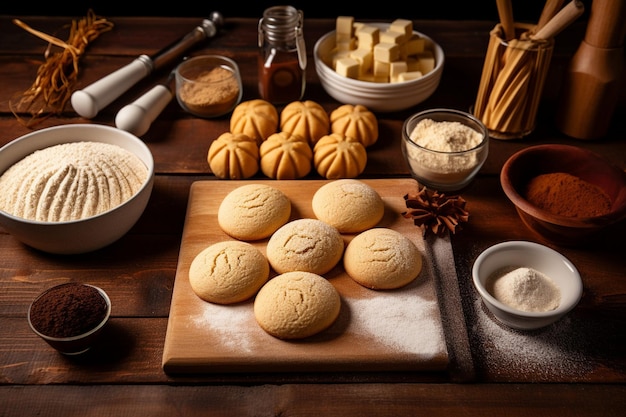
212, 92
567, 195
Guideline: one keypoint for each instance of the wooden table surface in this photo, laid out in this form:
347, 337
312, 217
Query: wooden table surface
576, 367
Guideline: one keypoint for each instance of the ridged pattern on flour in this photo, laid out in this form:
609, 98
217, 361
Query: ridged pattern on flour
71, 181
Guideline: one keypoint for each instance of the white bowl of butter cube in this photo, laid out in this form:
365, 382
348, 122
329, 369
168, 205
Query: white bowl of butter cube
385, 67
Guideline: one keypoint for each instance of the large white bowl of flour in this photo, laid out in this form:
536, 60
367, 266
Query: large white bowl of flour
74, 189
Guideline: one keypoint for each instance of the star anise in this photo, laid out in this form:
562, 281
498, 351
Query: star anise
436, 212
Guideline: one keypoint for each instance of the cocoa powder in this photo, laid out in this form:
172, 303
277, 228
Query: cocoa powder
68, 310
567, 195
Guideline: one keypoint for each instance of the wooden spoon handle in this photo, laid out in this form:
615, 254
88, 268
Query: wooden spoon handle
505, 11
550, 8
568, 14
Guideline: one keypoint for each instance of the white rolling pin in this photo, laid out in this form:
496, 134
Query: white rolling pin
138, 116
90, 100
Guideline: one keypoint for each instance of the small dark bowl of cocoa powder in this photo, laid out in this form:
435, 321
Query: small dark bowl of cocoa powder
567, 195
70, 316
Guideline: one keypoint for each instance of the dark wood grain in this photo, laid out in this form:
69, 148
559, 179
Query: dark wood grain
583, 373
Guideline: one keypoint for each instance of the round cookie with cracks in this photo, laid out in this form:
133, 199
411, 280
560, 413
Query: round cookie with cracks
297, 304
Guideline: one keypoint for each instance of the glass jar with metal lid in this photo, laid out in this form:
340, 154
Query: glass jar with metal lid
282, 58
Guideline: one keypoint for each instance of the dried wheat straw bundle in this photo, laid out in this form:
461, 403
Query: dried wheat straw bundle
57, 75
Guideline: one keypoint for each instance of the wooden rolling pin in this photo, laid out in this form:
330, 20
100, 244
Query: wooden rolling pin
595, 76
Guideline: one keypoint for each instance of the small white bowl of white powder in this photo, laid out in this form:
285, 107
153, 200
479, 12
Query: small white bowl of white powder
444, 148
526, 285
75, 188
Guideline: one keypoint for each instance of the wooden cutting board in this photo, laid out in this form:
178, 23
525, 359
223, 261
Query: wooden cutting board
376, 330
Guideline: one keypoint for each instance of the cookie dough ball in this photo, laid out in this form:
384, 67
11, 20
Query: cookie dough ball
306, 119
233, 156
296, 305
257, 119
355, 121
285, 156
228, 272
305, 245
382, 259
350, 205
337, 156
253, 211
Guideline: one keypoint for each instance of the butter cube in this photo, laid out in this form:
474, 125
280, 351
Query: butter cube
367, 36
365, 58
396, 68
337, 55
348, 67
403, 26
415, 44
372, 78
344, 26
381, 69
427, 61
409, 75
346, 44
388, 36
412, 64
386, 52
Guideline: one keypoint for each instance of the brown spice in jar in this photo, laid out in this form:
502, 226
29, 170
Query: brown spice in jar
213, 92
68, 310
567, 195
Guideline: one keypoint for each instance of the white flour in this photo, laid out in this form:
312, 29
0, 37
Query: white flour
71, 181
525, 289
446, 139
547, 354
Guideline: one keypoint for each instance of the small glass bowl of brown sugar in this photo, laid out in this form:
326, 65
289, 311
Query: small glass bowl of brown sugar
70, 316
208, 85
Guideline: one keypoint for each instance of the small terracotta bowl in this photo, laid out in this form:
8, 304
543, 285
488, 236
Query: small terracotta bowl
521, 167
78, 324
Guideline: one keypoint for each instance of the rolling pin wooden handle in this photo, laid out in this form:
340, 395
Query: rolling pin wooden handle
607, 24
137, 117
594, 78
89, 101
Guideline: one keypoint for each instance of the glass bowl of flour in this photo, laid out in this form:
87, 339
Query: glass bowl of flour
444, 148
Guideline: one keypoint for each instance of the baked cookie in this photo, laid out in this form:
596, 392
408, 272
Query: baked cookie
228, 272
305, 245
382, 259
295, 305
253, 211
349, 205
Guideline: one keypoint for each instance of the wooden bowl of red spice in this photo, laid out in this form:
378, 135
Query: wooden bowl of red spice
70, 316
566, 194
